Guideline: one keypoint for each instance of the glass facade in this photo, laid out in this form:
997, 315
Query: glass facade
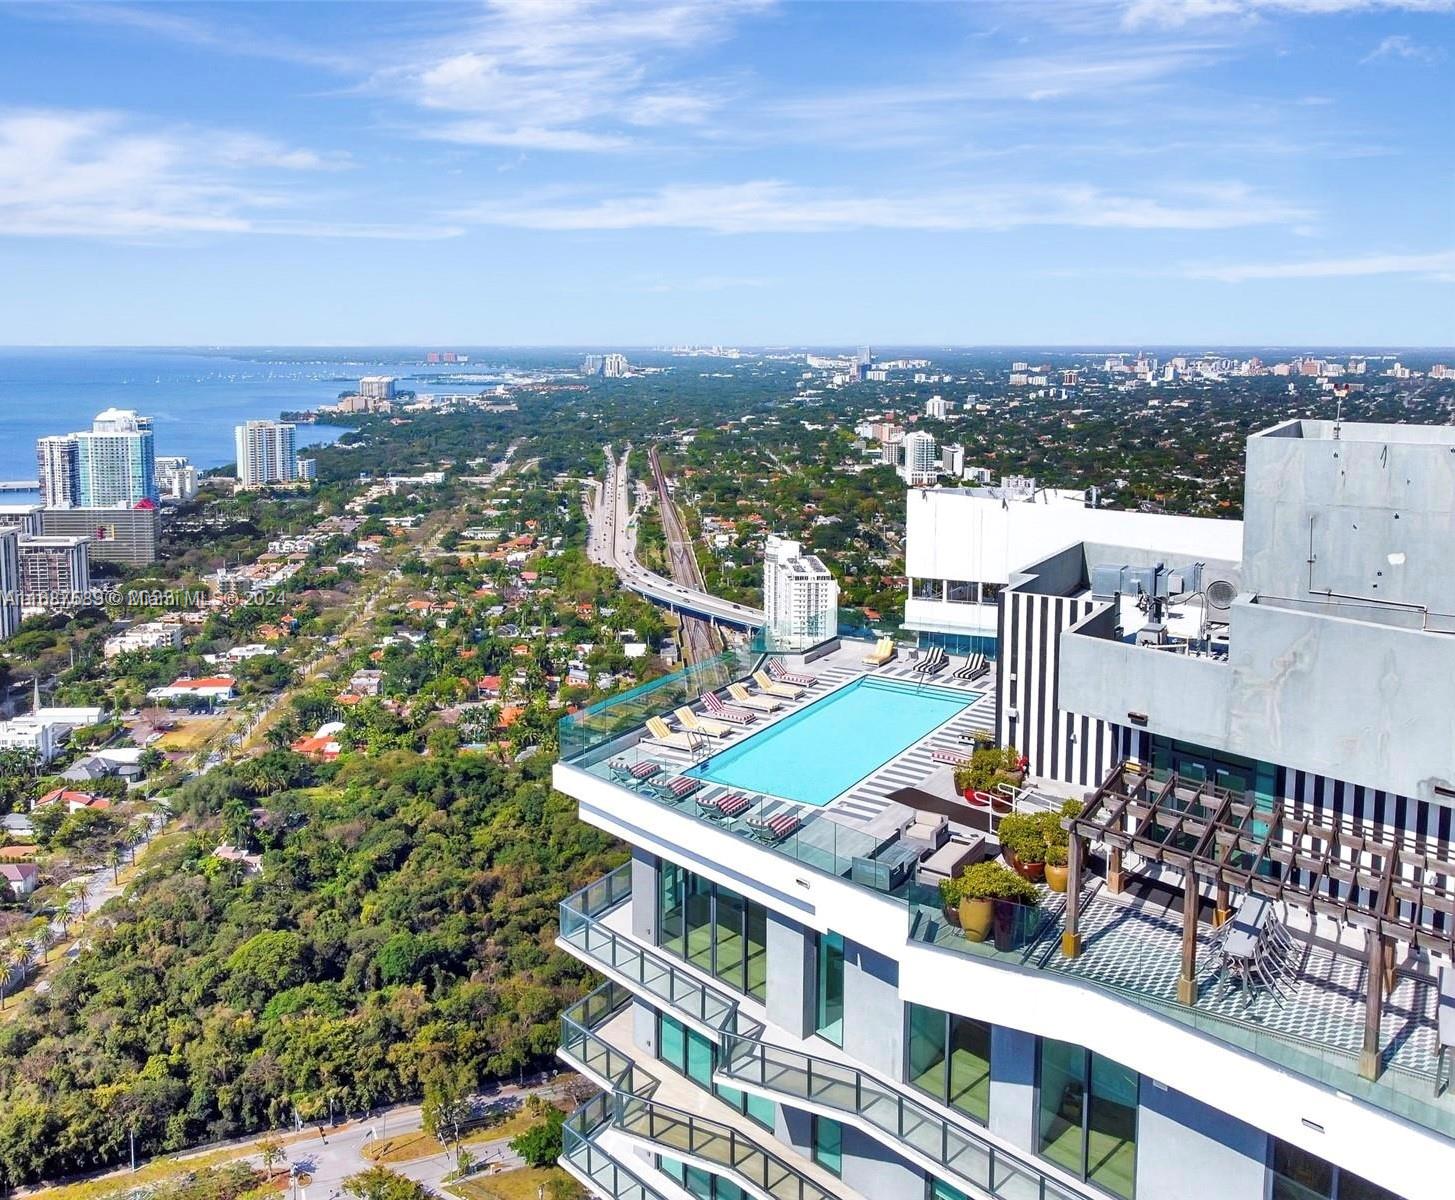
1299, 1175
691, 1054
714, 928
829, 983
1088, 1116
938, 1189
948, 1056
828, 1145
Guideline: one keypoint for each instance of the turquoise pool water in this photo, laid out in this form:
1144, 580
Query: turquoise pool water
829, 746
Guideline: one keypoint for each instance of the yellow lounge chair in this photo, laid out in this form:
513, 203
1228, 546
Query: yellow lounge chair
691, 722
768, 687
883, 651
662, 735
747, 699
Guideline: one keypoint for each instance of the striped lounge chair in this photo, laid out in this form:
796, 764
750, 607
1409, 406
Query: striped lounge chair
782, 674
633, 774
726, 712
953, 757
679, 787
726, 806
776, 828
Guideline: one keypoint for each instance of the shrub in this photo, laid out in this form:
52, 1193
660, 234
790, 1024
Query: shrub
994, 881
1056, 856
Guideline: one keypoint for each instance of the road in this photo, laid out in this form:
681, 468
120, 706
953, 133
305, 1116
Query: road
699, 638
613, 544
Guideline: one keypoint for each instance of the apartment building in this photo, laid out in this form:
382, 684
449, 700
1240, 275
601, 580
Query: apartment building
1243, 991
267, 453
112, 465
800, 596
53, 570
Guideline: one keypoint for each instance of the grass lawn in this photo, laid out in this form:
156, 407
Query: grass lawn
157, 1171
524, 1183
192, 735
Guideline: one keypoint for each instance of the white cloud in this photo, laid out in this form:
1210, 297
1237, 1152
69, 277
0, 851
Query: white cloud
94, 174
577, 75
1439, 264
1399, 46
1173, 13
773, 206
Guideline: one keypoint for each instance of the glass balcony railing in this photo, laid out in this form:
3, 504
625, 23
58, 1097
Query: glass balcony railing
965, 1156
899, 1119
589, 1161
618, 715
630, 1108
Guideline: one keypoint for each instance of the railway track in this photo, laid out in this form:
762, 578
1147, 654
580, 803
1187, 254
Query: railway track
700, 640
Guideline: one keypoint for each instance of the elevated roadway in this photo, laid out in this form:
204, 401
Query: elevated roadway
613, 544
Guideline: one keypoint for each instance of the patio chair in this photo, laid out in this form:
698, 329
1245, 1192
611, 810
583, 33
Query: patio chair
679, 787
974, 667
774, 829
765, 685
749, 700
883, 651
725, 807
659, 734
726, 712
782, 674
706, 726
633, 774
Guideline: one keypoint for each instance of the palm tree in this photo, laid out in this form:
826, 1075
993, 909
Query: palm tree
114, 860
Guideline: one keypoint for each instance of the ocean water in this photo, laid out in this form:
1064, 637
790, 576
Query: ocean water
193, 398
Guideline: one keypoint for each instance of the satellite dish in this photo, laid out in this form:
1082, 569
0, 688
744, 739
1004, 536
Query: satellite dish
1221, 594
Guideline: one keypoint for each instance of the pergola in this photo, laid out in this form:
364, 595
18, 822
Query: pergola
1392, 890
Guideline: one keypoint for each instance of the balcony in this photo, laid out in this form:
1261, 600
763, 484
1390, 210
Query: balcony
891, 1114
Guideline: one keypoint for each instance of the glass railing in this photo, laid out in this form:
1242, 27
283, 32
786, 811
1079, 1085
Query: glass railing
630, 1108
747, 1059
903, 1120
684, 1134
591, 1162
617, 715
1402, 1090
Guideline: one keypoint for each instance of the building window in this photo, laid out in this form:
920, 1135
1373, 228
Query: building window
962, 591
949, 1057
714, 928
691, 1054
830, 988
828, 1145
1299, 1175
990, 592
1088, 1116
938, 1189
928, 589
700, 1184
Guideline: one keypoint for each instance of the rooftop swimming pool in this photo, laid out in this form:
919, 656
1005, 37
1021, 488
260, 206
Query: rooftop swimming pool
826, 748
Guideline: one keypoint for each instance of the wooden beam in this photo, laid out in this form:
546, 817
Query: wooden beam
1369, 1065
1187, 980
1070, 934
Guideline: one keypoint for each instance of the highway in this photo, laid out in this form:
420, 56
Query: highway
699, 637
613, 544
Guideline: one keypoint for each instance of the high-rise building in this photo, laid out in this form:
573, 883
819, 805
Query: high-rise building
920, 466
111, 465
267, 453
56, 461
615, 366
176, 478
800, 597
10, 586
1226, 981
54, 569
377, 387
936, 407
120, 535
952, 460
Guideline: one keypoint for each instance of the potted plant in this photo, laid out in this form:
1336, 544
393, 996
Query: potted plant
1056, 867
983, 887
1023, 843
950, 901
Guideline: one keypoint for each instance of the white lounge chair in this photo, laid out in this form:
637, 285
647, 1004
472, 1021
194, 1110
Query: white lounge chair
788, 691
706, 726
747, 699
660, 734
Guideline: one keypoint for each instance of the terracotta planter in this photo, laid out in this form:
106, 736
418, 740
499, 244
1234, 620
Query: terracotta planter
976, 917
1056, 878
1035, 872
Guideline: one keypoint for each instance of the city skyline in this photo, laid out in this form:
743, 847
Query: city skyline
1145, 171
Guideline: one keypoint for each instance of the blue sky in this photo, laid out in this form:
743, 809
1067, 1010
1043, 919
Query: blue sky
999, 171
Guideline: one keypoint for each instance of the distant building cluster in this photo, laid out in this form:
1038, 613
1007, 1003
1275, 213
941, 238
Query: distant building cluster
608, 366
111, 465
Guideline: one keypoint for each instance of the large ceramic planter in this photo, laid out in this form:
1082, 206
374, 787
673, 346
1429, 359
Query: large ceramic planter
976, 918
1056, 878
1007, 923
1035, 872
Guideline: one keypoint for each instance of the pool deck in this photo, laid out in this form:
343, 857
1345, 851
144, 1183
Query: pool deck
862, 816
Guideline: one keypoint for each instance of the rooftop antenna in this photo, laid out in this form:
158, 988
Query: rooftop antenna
1338, 418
